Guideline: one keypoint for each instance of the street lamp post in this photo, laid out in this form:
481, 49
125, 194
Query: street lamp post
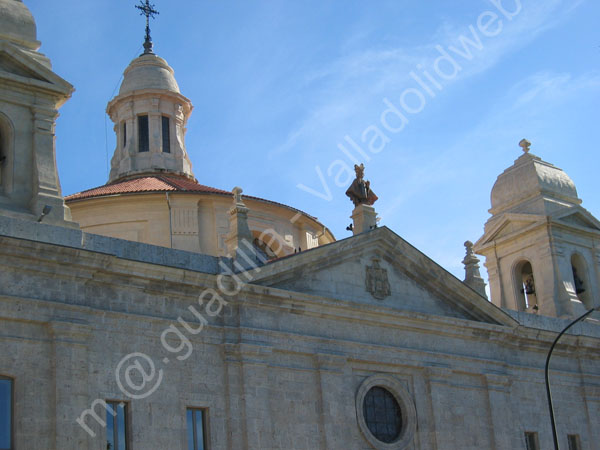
548, 392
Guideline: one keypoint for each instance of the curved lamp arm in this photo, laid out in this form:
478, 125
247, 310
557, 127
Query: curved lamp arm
546, 372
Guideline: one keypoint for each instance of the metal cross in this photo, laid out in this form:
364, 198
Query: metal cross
147, 9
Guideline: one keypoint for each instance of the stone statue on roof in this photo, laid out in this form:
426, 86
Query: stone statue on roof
360, 190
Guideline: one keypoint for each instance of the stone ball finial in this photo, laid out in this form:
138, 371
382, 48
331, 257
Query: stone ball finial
525, 145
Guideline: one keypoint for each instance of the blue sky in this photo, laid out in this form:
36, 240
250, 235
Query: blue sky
278, 85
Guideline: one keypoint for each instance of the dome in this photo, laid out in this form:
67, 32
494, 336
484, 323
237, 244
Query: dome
148, 71
17, 24
531, 177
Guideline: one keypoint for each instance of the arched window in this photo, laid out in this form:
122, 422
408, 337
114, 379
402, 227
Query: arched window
525, 286
580, 279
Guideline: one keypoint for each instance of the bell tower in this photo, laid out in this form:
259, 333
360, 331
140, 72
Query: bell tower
30, 96
542, 248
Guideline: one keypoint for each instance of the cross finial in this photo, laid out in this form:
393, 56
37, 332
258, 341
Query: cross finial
147, 9
525, 145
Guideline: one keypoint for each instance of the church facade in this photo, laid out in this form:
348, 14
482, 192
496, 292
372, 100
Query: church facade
157, 313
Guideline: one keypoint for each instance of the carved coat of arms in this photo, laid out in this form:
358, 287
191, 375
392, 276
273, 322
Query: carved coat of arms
377, 282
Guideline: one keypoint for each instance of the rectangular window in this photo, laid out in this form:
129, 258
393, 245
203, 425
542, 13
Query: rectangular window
6, 411
196, 429
531, 441
311, 241
116, 426
574, 442
166, 135
124, 128
143, 134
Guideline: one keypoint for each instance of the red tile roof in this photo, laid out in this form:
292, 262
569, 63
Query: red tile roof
152, 183
162, 183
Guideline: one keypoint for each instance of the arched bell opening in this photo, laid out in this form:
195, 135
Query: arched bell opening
525, 287
581, 280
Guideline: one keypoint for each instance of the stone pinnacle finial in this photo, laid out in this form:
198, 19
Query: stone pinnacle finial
472, 276
239, 241
525, 145
147, 9
469, 247
237, 195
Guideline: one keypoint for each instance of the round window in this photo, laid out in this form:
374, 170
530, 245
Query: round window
383, 415
386, 413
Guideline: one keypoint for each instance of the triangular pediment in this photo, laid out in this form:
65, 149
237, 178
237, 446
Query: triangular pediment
580, 219
20, 67
381, 269
509, 225
11, 65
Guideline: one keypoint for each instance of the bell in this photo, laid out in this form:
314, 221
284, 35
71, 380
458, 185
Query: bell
579, 289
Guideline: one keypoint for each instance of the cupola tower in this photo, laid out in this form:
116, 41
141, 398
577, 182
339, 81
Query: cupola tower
542, 248
30, 96
150, 117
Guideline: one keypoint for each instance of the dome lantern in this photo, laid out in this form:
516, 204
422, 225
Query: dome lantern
539, 241
150, 117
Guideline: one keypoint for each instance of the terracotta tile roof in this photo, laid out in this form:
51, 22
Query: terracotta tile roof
152, 183
163, 183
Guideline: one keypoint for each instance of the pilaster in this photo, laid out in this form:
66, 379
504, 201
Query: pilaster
596, 270
71, 368
253, 384
47, 196
495, 280
336, 403
498, 389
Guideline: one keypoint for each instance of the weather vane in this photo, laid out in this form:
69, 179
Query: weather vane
147, 9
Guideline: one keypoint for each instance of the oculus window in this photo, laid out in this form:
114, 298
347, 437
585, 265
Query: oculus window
386, 413
382, 414
196, 429
6, 412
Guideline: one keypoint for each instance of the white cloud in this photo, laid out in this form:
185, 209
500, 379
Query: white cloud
542, 88
369, 75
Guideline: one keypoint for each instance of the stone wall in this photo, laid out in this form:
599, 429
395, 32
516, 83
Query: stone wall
275, 368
